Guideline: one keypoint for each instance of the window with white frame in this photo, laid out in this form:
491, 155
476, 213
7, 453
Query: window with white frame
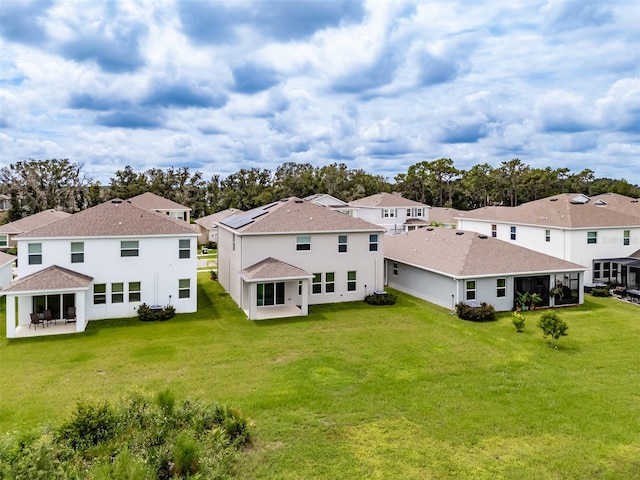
596, 270
35, 254
100, 293
494, 230
184, 288
269, 294
592, 237
501, 287
513, 233
547, 235
342, 244
329, 282
626, 237
184, 248
470, 290
134, 291
117, 292
4, 240
316, 283
351, 281
129, 248
389, 212
303, 243
373, 242
408, 212
395, 268
77, 252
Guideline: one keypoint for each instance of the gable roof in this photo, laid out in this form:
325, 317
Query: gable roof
209, 221
619, 203
50, 278
34, 221
567, 210
326, 200
443, 215
151, 201
466, 254
385, 200
5, 258
271, 269
293, 215
112, 218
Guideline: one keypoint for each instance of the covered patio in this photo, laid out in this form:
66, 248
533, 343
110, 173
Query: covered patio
48, 302
624, 272
274, 289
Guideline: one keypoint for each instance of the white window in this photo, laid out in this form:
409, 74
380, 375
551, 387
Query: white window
329, 282
129, 248
513, 233
4, 240
316, 283
35, 254
389, 212
626, 237
501, 287
395, 269
134, 291
99, 293
547, 235
592, 237
351, 281
494, 230
303, 243
184, 248
117, 292
77, 252
184, 288
270, 294
342, 244
373, 242
470, 293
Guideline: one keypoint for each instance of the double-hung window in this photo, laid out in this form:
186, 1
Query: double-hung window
184, 288
513, 233
547, 235
4, 240
389, 212
501, 287
592, 237
184, 248
35, 254
100, 293
117, 292
494, 230
329, 282
395, 269
351, 281
373, 242
134, 291
470, 291
77, 252
129, 248
316, 283
342, 244
626, 237
303, 243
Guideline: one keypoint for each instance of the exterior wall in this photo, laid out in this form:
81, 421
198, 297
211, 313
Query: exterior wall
229, 263
157, 267
395, 224
6, 274
432, 287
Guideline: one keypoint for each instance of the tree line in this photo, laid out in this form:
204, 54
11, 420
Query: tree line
37, 185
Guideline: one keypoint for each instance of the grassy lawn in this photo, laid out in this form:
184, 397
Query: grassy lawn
354, 391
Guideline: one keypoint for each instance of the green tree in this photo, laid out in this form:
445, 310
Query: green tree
295, 180
477, 185
513, 172
127, 184
552, 326
247, 189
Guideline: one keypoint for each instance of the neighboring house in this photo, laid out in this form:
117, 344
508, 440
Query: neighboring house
278, 259
6, 269
5, 202
392, 212
151, 201
10, 230
444, 216
446, 266
597, 234
103, 262
209, 229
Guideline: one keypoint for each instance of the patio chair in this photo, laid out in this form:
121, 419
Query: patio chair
70, 317
36, 320
48, 317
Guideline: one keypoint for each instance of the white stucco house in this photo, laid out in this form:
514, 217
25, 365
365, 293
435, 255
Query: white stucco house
6, 269
601, 233
10, 230
447, 266
278, 259
151, 201
102, 263
392, 212
208, 228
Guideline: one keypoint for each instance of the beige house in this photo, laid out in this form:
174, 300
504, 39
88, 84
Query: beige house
208, 227
278, 259
392, 212
151, 201
446, 266
10, 230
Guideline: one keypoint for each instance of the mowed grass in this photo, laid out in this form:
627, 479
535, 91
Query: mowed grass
354, 391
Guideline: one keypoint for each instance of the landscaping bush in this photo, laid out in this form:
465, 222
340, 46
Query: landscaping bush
91, 424
146, 314
518, 321
213, 275
552, 326
601, 292
483, 313
385, 299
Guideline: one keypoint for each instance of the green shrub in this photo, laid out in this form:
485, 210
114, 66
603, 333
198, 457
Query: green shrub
166, 400
186, 455
601, 292
552, 326
381, 299
518, 321
90, 424
146, 314
483, 313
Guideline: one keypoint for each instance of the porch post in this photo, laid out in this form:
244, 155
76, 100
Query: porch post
81, 312
253, 301
11, 315
305, 297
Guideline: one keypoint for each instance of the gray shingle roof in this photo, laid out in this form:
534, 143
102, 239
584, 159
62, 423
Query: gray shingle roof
112, 218
151, 201
385, 200
33, 221
271, 269
50, 278
6, 258
294, 215
210, 220
556, 211
619, 203
466, 254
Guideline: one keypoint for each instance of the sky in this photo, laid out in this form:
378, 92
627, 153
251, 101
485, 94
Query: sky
217, 86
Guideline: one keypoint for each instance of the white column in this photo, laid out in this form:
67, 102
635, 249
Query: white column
81, 314
11, 316
305, 297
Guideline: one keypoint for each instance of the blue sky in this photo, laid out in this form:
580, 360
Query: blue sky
221, 85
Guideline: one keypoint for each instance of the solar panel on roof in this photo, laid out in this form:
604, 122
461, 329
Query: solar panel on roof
241, 219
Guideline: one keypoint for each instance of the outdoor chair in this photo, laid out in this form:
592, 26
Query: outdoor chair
35, 320
48, 317
70, 317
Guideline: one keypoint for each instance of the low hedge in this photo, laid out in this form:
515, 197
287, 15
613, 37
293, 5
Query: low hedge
381, 299
483, 313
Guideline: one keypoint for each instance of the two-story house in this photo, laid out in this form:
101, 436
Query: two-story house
278, 259
392, 212
151, 201
10, 230
208, 228
594, 233
100, 263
